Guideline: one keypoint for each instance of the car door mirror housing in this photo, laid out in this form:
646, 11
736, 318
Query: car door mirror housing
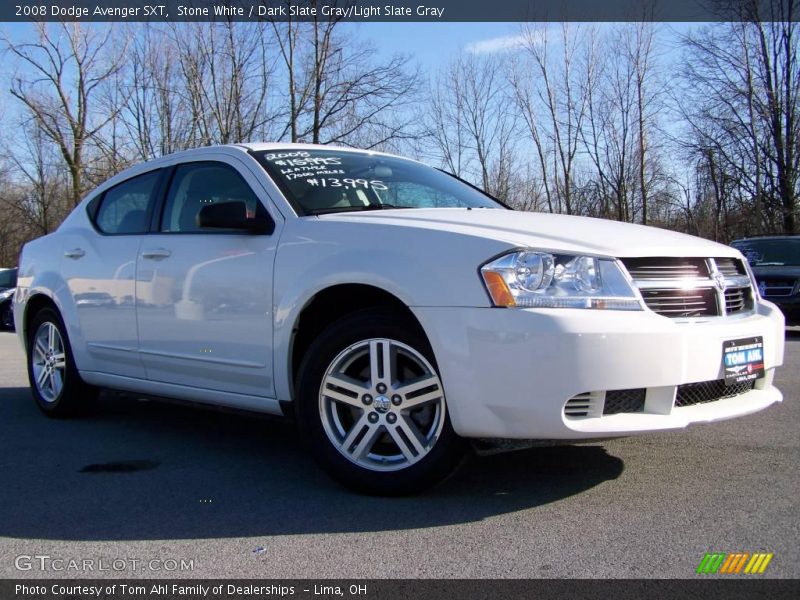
233, 215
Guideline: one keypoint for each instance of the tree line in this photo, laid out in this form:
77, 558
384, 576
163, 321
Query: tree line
695, 132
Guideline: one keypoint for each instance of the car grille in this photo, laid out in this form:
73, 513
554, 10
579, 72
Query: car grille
773, 288
649, 269
591, 404
692, 287
624, 401
682, 303
709, 391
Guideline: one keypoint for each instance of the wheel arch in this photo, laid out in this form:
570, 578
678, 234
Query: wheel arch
331, 304
35, 303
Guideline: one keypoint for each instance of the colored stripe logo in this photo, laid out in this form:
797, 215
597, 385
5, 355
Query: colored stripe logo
734, 563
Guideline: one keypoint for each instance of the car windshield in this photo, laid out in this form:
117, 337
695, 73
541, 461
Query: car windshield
8, 278
322, 181
764, 253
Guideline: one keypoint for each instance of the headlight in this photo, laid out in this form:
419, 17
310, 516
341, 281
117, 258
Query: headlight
532, 279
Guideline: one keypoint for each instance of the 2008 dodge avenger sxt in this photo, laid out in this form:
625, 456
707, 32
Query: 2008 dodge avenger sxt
393, 309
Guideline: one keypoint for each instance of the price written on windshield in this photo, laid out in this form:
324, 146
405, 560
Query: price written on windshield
308, 162
347, 183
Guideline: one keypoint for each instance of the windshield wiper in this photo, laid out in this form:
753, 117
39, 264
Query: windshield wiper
338, 209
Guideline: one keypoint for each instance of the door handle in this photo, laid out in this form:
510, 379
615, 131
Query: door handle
75, 253
156, 254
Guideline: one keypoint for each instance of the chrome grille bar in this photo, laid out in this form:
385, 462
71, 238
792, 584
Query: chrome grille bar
681, 303
644, 269
730, 267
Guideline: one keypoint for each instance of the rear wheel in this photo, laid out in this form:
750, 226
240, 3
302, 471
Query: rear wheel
374, 406
55, 383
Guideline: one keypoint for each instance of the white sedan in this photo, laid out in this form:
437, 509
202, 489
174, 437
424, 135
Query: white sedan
394, 310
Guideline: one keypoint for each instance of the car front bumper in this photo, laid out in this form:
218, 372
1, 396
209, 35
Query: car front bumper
508, 373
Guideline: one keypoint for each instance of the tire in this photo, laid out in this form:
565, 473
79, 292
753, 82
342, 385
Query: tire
377, 433
55, 383
6, 317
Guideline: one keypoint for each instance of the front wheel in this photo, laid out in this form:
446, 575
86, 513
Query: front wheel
374, 406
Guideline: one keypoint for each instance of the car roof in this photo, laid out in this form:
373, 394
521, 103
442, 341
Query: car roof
265, 146
194, 153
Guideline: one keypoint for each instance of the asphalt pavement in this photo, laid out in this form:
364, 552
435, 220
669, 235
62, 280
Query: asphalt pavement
145, 483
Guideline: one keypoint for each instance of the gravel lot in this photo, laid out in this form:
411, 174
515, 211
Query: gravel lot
240, 497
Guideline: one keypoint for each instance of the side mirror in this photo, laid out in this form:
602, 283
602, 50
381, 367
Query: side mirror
233, 215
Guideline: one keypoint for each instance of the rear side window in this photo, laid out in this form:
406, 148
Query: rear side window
124, 208
195, 185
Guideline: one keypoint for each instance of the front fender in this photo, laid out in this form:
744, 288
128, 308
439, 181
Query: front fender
419, 267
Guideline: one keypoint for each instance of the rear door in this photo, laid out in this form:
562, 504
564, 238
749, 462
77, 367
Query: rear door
99, 266
204, 297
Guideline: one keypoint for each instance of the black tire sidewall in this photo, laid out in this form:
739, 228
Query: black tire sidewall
442, 460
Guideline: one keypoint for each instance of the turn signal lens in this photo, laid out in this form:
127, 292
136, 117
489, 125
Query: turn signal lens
498, 289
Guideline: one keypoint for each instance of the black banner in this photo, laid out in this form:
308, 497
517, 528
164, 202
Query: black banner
509, 589
396, 10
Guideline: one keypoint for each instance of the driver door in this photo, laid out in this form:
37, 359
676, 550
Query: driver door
203, 296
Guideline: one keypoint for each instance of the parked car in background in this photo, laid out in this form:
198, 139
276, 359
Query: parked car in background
393, 310
8, 285
775, 261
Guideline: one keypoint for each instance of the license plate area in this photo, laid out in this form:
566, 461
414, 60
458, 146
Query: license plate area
743, 360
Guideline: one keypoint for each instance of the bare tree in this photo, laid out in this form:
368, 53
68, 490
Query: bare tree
570, 120
623, 101
41, 206
472, 124
66, 66
446, 127
740, 103
227, 72
640, 54
550, 88
288, 38
156, 116
339, 92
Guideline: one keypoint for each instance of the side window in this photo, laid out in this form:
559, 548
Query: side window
195, 185
123, 208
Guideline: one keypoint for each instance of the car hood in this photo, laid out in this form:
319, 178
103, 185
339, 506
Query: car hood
546, 231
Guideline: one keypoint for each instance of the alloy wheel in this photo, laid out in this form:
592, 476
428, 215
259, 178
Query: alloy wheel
48, 361
382, 404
